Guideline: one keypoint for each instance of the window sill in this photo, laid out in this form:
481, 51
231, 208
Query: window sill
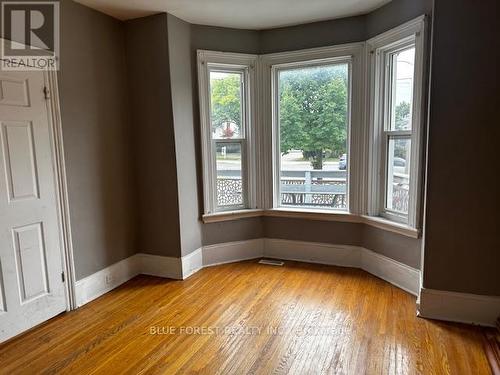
231, 215
316, 214
391, 226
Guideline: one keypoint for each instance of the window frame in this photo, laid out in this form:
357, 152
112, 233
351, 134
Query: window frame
275, 71
245, 64
378, 48
271, 64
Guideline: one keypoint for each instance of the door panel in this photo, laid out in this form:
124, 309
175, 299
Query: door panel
19, 159
31, 261
31, 288
14, 91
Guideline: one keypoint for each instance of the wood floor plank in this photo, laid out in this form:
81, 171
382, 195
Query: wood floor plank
247, 318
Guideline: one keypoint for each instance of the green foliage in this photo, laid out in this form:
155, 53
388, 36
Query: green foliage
402, 121
402, 115
226, 101
313, 111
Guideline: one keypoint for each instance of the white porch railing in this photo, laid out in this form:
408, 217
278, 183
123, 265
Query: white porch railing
326, 189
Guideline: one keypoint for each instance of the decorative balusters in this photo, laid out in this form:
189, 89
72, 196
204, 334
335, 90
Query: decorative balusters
229, 193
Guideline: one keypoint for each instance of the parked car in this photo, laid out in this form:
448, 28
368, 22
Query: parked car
343, 162
399, 165
399, 162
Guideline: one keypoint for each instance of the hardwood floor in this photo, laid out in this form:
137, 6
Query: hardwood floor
248, 318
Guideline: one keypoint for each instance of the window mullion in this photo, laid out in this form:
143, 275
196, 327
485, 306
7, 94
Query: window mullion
399, 133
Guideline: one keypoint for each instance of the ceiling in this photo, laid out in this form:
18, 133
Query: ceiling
241, 14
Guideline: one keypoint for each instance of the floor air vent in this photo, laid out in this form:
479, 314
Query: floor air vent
271, 262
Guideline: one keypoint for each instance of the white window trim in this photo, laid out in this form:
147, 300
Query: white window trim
269, 64
243, 63
411, 32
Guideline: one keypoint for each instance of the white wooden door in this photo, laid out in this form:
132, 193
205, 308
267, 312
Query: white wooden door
31, 285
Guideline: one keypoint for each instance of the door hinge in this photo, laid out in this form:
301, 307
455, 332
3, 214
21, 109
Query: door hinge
46, 92
63, 278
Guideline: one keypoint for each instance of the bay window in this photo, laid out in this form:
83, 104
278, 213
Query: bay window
333, 131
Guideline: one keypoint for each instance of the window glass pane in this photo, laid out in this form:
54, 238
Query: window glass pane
226, 104
313, 128
402, 72
398, 175
229, 180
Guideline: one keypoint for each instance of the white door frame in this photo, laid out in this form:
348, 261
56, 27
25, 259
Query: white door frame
59, 165
61, 186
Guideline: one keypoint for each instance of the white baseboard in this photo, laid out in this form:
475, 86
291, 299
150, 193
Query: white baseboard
312, 252
107, 279
157, 265
101, 282
230, 252
398, 274
459, 307
192, 263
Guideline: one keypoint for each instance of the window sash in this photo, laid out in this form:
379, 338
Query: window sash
244, 175
394, 214
239, 140
243, 71
389, 91
276, 141
389, 131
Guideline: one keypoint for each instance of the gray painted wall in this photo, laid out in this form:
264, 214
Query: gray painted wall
181, 80
224, 39
313, 230
96, 131
317, 34
394, 14
462, 240
395, 246
235, 230
343, 30
152, 121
